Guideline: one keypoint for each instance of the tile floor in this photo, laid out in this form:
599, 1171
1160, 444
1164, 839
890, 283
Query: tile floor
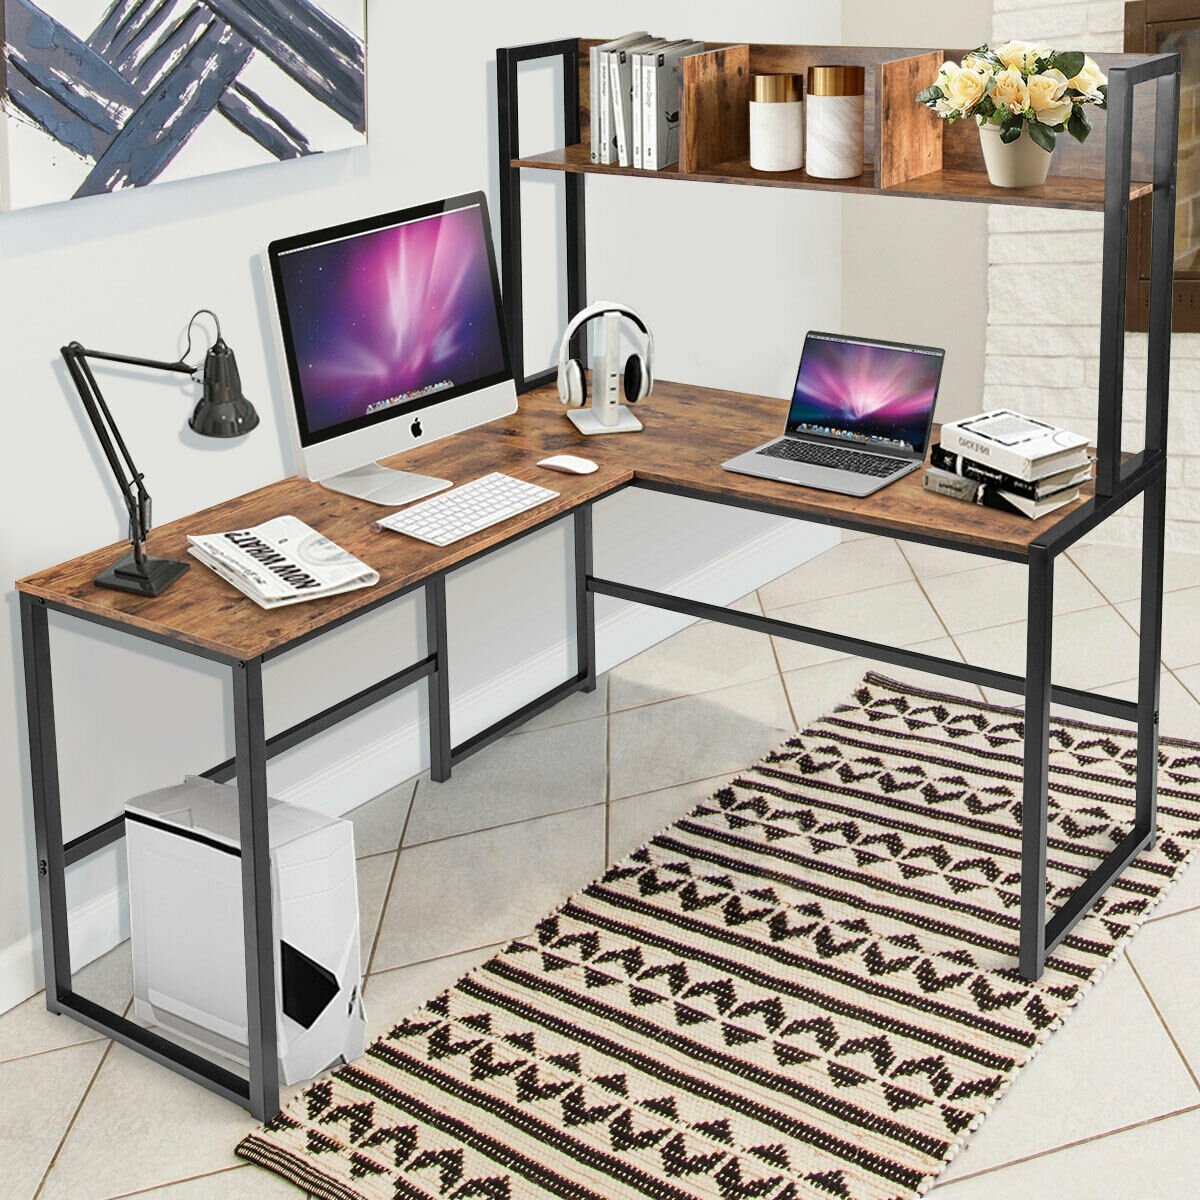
1111, 1108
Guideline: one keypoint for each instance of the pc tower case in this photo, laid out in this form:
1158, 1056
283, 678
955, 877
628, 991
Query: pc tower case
185, 901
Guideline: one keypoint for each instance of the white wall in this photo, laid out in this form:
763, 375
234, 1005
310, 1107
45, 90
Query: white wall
915, 270
125, 272
1056, 258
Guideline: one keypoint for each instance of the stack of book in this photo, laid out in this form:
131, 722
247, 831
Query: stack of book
1010, 462
636, 88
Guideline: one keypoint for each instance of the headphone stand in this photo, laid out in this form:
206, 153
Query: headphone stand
586, 421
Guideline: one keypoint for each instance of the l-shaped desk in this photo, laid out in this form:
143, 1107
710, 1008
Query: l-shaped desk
689, 432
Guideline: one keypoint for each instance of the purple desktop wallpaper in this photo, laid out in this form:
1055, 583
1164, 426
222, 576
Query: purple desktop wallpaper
869, 391
387, 313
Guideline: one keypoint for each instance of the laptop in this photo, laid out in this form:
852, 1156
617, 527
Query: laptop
860, 416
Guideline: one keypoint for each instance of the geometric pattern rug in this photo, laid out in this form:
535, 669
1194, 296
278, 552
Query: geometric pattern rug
805, 988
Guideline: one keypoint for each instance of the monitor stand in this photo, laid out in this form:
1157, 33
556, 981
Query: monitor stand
382, 485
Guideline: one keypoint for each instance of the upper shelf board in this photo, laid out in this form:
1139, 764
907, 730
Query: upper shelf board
950, 183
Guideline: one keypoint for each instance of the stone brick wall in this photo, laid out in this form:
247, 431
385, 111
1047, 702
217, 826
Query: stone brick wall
1044, 301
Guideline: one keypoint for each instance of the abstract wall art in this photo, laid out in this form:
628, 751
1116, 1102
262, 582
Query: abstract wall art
103, 95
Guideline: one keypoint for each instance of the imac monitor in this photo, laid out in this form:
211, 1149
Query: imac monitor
392, 334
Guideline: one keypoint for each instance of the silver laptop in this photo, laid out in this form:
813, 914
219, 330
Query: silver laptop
860, 416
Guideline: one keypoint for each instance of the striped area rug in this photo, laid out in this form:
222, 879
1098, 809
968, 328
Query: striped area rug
805, 988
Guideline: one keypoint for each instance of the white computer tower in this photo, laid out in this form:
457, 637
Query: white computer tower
185, 901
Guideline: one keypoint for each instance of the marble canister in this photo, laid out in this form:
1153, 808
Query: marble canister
836, 109
776, 122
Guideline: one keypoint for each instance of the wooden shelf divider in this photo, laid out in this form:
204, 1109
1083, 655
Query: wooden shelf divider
714, 110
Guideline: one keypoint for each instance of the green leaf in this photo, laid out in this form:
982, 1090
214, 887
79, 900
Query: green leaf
1069, 62
930, 95
1042, 136
1078, 125
1010, 131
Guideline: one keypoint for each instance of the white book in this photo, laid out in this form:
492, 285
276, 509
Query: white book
1022, 446
662, 89
601, 116
636, 59
620, 87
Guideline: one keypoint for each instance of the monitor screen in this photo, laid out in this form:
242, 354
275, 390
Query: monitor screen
388, 316
873, 393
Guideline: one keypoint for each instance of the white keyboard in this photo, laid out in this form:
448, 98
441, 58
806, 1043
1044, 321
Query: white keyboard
467, 509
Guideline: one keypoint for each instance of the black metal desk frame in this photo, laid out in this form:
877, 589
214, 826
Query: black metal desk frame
1117, 484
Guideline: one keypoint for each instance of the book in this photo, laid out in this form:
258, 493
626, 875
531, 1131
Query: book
1023, 447
972, 491
282, 561
1037, 489
662, 89
601, 124
620, 88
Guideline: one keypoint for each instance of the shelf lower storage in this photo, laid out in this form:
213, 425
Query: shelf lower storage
1059, 191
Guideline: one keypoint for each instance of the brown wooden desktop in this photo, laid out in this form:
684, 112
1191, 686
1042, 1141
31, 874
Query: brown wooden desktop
689, 432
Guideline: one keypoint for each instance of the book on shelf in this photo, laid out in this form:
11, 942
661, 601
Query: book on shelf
601, 118
637, 82
620, 90
282, 561
1037, 489
662, 91
972, 491
1024, 447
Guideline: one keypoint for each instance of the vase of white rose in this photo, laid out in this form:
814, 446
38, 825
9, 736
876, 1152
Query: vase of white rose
1022, 97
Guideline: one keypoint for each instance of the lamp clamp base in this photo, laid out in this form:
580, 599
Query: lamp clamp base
150, 577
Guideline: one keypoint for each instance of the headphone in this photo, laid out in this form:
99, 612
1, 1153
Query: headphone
639, 374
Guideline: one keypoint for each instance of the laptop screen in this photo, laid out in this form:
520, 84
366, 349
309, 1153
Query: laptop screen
875, 394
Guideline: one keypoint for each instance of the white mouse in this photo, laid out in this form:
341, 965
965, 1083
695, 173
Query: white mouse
569, 464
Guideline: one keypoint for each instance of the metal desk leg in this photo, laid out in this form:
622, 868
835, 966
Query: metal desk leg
440, 753
47, 808
585, 598
1149, 655
251, 754
1037, 762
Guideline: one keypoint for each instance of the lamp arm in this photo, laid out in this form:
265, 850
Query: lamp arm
129, 479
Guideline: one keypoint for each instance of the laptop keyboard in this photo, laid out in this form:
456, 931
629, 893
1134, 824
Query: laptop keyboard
835, 457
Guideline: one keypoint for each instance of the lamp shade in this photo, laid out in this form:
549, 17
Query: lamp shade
223, 411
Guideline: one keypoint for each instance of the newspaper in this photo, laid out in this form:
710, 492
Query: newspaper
282, 561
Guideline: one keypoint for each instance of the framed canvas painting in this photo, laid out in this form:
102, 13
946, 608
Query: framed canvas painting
102, 95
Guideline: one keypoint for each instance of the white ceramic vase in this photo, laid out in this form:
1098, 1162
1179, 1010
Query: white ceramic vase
1022, 163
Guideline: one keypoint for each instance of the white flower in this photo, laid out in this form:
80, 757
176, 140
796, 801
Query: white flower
1090, 80
966, 89
1022, 56
1011, 91
1047, 97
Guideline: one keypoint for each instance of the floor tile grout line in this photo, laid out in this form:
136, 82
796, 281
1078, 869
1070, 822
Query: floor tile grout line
937, 613
172, 1183
387, 896
1162, 1019
1086, 1141
562, 812
87, 1041
87, 1091
787, 695
424, 962
1191, 908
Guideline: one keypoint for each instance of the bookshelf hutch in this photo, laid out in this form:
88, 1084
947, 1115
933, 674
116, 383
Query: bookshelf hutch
1132, 154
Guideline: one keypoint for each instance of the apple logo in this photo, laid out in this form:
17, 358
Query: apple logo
416, 427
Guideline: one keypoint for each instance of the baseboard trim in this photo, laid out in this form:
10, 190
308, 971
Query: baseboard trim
99, 924
96, 926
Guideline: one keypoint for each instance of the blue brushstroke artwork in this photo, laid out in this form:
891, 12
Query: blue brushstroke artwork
115, 97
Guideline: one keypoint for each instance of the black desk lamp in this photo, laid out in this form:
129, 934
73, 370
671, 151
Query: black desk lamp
221, 412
